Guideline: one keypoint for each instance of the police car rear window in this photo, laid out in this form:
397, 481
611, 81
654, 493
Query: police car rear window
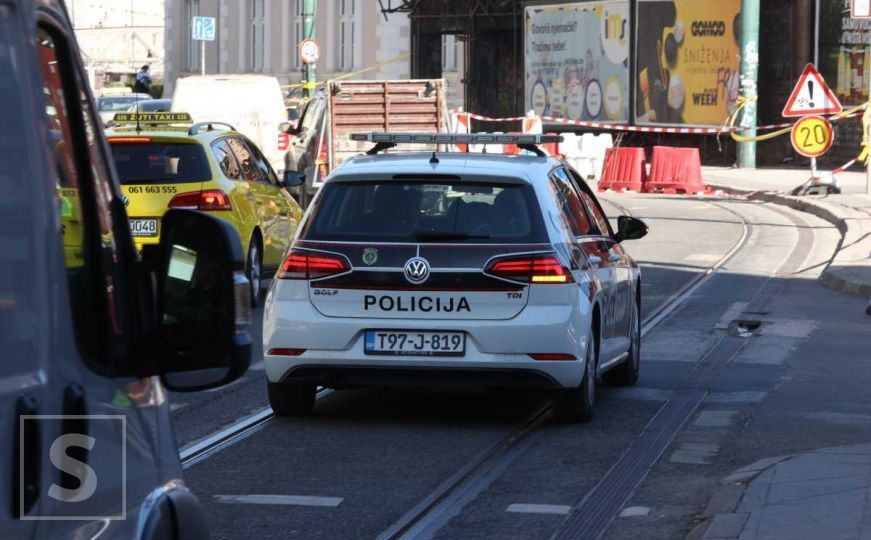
426, 211
159, 163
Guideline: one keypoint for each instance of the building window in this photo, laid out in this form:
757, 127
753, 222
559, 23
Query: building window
258, 33
450, 45
298, 35
347, 34
192, 50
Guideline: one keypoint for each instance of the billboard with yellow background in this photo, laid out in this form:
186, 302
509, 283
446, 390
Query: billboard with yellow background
687, 61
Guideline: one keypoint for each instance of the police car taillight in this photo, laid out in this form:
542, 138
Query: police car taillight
530, 269
301, 264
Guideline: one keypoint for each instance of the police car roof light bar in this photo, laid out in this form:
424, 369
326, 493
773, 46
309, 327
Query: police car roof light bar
525, 141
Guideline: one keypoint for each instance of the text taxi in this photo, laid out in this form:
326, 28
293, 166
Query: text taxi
164, 162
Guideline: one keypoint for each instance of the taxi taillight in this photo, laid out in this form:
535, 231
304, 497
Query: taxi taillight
206, 200
531, 269
301, 264
283, 142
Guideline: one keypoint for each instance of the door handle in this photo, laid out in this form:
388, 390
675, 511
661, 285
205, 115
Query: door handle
28, 442
74, 405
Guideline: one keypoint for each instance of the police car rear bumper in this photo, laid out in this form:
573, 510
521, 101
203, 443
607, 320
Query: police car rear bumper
497, 352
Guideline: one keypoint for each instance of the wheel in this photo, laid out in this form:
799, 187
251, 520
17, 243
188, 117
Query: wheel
626, 373
575, 405
291, 399
253, 268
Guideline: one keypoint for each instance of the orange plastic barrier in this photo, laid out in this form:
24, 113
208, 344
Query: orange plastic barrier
675, 170
624, 169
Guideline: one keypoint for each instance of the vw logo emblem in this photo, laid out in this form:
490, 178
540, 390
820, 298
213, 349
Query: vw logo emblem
417, 270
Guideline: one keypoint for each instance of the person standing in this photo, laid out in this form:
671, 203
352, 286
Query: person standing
143, 80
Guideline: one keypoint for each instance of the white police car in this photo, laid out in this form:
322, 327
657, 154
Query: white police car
455, 269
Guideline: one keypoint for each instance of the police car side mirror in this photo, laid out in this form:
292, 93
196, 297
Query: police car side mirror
293, 178
203, 303
630, 228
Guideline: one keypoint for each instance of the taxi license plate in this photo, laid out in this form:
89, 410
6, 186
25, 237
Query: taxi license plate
143, 227
411, 343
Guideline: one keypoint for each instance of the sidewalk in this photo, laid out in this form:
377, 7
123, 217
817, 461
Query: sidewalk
825, 493
850, 271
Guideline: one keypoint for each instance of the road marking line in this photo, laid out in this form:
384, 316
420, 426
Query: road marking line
735, 397
556, 509
694, 453
635, 511
715, 418
704, 257
294, 500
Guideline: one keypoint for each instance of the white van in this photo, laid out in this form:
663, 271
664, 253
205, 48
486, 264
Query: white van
252, 104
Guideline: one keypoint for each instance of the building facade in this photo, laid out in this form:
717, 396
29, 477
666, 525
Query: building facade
117, 38
261, 36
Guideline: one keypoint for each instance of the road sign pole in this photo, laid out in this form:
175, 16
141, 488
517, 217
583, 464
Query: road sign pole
749, 77
202, 57
308, 31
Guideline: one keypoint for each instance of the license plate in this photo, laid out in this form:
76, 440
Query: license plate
143, 227
411, 343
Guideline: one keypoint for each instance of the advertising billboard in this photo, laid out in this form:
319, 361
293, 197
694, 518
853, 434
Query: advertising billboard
687, 61
577, 60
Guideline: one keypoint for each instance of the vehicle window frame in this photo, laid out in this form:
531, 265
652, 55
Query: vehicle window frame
241, 140
584, 189
565, 206
271, 177
223, 140
108, 317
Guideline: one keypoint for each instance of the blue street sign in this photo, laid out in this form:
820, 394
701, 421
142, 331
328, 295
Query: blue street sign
203, 29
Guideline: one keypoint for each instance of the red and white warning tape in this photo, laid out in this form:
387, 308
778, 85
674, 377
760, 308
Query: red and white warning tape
624, 127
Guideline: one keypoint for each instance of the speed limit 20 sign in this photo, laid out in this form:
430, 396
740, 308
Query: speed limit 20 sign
812, 136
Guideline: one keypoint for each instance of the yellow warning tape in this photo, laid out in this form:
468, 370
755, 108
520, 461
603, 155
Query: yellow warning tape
312, 84
866, 119
742, 102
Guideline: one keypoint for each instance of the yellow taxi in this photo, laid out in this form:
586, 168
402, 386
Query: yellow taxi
164, 162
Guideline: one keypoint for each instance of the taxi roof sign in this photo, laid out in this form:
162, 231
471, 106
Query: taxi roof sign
152, 118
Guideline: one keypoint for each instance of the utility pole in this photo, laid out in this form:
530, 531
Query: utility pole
308, 31
749, 76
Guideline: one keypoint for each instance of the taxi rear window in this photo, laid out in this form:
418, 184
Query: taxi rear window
427, 212
159, 163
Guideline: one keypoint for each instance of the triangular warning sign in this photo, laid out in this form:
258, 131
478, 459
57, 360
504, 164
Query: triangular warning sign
811, 95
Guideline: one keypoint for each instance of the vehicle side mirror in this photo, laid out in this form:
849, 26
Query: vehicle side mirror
293, 179
203, 303
630, 228
285, 127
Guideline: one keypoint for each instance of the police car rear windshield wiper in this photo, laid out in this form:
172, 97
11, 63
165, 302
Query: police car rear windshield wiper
435, 236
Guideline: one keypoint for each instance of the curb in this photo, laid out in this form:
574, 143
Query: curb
853, 225
719, 518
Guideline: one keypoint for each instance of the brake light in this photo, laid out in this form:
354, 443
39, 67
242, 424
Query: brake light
531, 269
283, 141
128, 140
551, 356
300, 264
207, 200
285, 352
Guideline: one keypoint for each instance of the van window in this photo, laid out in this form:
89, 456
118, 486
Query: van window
160, 163
425, 211
84, 192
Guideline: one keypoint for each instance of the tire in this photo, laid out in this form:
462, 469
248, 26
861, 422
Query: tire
291, 399
626, 373
254, 270
576, 405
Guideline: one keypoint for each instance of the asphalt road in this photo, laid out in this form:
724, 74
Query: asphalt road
367, 457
